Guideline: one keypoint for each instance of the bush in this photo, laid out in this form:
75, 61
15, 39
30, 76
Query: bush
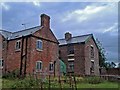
93, 80
13, 74
25, 83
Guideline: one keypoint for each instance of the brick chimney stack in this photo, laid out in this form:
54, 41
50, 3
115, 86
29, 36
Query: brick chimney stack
68, 36
45, 21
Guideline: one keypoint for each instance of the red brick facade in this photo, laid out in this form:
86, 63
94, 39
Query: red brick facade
81, 57
28, 52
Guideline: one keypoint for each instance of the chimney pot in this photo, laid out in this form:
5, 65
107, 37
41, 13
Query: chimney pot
68, 36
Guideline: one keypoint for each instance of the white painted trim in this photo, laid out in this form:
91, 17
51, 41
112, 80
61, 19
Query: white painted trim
71, 59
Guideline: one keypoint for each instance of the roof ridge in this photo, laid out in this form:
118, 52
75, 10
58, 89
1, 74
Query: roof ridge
82, 35
77, 36
26, 29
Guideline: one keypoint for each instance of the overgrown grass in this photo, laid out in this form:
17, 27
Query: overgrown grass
32, 83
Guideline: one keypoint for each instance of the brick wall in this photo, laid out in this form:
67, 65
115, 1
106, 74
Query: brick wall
82, 62
78, 56
88, 58
110, 71
46, 55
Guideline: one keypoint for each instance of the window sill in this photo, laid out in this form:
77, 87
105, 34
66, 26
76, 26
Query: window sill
92, 71
38, 71
17, 50
70, 55
39, 49
51, 71
1, 67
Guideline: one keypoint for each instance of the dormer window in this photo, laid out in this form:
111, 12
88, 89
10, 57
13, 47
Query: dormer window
18, 45
39, 45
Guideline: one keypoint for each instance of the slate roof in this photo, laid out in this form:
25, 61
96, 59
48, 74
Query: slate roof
13, 35
76, 39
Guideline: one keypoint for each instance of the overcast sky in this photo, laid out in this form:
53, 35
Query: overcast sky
79, 18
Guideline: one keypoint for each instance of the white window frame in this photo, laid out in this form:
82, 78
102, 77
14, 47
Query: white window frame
19, 44
51, 68
39, 69
1, 63
71, 59
39, 49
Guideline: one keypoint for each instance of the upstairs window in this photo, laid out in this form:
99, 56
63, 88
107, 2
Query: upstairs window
70, 49
18, 45
3, 45
39, 45
51, 66
1, 63
39, 65
92, 51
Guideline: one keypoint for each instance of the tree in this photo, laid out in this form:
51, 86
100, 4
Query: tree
102, 57
113, 65
118, 65
110, 65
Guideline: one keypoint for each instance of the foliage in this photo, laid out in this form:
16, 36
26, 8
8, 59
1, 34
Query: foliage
102, 57
25, 83
82, 82
118, 65
110, 65
13, 74
93, 80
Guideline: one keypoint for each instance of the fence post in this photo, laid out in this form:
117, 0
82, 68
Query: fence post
70, 80
75, 83
49, 81
41, 80
60, 83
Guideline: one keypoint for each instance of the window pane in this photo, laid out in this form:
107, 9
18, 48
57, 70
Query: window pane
1, 63
70, 49
39, 44
39, 65
17, 45
51, 66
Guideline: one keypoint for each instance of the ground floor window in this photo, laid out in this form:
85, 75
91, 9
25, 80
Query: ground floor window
71, 65
1, 63
39, 65
51, 66
92, 66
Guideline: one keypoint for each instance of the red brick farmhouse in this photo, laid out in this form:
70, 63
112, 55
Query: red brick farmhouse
30, 50
80, 54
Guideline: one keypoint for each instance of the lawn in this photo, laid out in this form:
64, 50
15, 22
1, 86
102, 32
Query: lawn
27, 83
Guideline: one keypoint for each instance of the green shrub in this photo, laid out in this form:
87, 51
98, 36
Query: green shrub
12, 74
93, 80
25, 83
